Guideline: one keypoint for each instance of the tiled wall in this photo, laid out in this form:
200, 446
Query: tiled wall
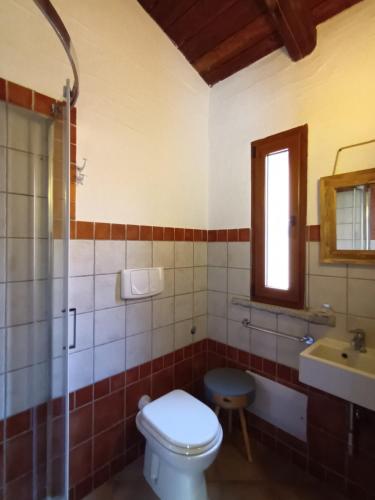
114, 335
325, 454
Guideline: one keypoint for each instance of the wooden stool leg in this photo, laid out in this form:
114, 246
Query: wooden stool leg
245, 434
217, 410
230, 421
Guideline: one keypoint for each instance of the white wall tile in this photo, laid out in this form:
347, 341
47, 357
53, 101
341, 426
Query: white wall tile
27, 131
183, 336
183, 307
361, 272
292, 326
84, 333
109, 325
138, 254
81, 257
217, 304
107, 291
163, 312
184, 254
200, 303
339, 331
217, 279
2, 165
235, 312
3, 124
81, 291
200, 323
239, 254
2, 304
168, 285
288, 352
200, 278
109, 359
138, 349
109, 256
217, 329
20, 216
183, 280
239, 281
20, 304
163, 254
2, 351
81, 369
238, 336
263, 344
328, 290
27, 346
361, 298
315, 267
162, 341
58, 258
263, 319
3, 218
21, 169
19, 396
138, 317
20, 259
217, 254
2, 260
200, 253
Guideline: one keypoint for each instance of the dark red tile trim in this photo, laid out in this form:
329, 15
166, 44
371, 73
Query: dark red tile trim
313, 233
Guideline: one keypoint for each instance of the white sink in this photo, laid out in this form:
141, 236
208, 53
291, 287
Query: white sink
334, 367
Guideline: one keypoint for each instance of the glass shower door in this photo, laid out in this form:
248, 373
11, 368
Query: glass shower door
34, 316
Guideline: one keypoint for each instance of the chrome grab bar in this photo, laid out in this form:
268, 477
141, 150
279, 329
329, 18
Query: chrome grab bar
55, 21
306, 339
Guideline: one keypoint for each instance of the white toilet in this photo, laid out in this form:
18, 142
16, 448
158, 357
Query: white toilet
183, 437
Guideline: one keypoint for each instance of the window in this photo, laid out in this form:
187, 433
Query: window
278, 213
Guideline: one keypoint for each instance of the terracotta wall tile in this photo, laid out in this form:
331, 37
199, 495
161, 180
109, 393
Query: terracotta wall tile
108, 445
117, 381
189, 235
168, 234
212, 235
244, 234
134, 392
83, 396
2, 90
313, 233
18, 423
132, 375
145, 233
183, 373
102, 388
157, 233
222, 235
80, 425
80, 459
108, 411
43, 104
162, 382
118, 231
132, 232
21, 96
233, 235
73, 134
73, 115
102, 231
84, 230
19, 456
179, 234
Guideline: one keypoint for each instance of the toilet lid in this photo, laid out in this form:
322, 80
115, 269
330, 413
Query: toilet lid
181, 420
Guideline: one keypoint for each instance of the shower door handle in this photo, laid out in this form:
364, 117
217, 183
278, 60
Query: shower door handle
74, 311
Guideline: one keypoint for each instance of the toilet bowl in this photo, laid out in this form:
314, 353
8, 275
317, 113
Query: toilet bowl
183, 437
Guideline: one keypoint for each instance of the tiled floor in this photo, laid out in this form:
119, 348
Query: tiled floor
230, 478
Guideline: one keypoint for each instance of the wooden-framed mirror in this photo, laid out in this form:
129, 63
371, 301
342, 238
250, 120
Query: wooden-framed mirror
347, 217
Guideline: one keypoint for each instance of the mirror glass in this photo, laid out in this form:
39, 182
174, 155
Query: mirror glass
355, 217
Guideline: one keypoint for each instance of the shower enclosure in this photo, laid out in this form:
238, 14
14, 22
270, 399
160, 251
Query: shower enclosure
34, 305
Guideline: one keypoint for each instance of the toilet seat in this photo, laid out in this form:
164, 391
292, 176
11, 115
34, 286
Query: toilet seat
180, 423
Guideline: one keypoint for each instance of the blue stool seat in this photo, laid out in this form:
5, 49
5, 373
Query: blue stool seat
229, 382
231, 389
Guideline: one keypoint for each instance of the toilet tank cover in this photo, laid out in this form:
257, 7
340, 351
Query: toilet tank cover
182, 419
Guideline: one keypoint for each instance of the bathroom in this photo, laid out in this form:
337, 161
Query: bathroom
153, 166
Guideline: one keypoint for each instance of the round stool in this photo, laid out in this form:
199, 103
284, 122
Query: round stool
231, 389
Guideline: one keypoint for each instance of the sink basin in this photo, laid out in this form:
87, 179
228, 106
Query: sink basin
334, 367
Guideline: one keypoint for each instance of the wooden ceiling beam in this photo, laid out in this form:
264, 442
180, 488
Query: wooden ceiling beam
295, 24
253, 33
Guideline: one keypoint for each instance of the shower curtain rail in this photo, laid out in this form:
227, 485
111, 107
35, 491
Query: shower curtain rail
306, 339
55, 21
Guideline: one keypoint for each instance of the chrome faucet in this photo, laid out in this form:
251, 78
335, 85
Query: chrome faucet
358, 341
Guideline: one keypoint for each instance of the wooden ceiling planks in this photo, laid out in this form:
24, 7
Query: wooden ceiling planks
221, 37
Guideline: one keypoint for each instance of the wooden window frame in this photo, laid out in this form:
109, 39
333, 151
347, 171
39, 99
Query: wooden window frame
295, 140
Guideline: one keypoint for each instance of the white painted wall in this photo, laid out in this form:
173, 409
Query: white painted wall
142, 112
332, 90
